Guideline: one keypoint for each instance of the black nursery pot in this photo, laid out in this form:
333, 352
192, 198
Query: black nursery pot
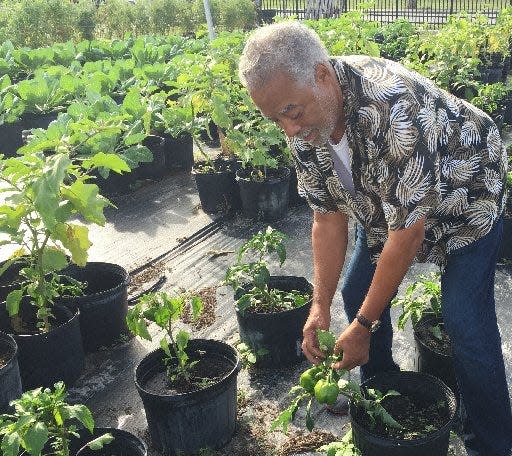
505, 252
104, 305
124, 444
188, 422
279, 333
416, 385
218, 191
429, 361
179, 152
10, 380
154, 169
12, 133
46, 358
267, 200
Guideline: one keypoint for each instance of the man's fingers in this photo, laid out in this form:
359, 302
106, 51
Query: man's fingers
311, 350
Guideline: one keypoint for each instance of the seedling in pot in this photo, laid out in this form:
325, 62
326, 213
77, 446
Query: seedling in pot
165, 309
323, 384
345, 447
252, 278
422, 298
43, 424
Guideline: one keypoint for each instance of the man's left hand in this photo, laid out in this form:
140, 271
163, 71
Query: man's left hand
354, 343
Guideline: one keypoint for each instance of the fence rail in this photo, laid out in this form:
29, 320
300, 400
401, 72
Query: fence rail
433, 12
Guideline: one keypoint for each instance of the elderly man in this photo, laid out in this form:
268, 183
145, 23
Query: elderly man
422, 172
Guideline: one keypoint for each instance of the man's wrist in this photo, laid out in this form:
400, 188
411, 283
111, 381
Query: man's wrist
370, 325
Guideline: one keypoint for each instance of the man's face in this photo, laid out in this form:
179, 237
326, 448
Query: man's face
310, 113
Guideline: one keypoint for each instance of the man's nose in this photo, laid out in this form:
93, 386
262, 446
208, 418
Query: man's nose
290, 127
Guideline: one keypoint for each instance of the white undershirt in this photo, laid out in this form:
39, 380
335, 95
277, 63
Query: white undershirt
341, 160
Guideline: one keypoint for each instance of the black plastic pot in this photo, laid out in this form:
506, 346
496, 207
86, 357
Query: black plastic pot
294, 198
505, 252
506, 69
507, 109
124, 444
156, 168
179, 152
218, 191
416, 385
10, 380
12, 133
429, 361
279, 334
267, 200
115, 184
104, 305
46, 358
491, 75
190, 421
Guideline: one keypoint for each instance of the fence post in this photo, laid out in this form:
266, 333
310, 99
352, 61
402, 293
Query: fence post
451, 7
397, 4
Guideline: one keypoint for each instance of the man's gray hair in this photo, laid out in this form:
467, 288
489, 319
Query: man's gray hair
289, 47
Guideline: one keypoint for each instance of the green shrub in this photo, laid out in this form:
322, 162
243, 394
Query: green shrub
38, 23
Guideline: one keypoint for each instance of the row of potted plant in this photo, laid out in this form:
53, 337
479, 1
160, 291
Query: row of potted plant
188, 380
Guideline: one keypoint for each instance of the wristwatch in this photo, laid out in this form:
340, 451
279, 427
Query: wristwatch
371, 326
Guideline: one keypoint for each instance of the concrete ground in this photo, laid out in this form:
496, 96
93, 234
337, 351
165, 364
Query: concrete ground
160, 230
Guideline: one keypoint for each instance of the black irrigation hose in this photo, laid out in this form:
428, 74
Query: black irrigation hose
196, 237
155, 287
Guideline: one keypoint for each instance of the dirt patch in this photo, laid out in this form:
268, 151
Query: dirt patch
146, 277
302, 442
207, 317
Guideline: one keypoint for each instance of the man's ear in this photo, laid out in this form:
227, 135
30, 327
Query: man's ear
321, 73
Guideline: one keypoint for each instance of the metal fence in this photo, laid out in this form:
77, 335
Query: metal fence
433, 12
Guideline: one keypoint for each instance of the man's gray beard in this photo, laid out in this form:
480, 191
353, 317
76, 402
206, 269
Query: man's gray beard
328, 108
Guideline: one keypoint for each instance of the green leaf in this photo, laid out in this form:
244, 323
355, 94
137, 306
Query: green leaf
54, 259
197, 307
100, 441
165, 347
110, 161
11, 444
35, 438
75, 238
326, 341
82, 414
87, 201
13, 302
182, 339
310, 424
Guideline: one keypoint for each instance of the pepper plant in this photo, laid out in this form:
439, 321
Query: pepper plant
252, 278
323, 384
43, 197
165, 309
43, 424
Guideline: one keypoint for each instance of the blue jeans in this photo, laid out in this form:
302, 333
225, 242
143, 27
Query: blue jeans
470, 319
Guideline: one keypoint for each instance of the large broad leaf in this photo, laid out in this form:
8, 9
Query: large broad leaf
54, 259
75, 238
35, 438
12, 302
10, 218
182, 339
11, 444
47, 188
82, 414
197, 307
110, 161
87, 201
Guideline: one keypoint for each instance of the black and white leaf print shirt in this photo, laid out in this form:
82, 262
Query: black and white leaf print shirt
416, 151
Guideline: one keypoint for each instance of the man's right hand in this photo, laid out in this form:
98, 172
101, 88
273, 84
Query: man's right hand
318, 319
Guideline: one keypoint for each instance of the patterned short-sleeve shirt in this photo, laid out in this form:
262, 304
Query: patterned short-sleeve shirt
415, 151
